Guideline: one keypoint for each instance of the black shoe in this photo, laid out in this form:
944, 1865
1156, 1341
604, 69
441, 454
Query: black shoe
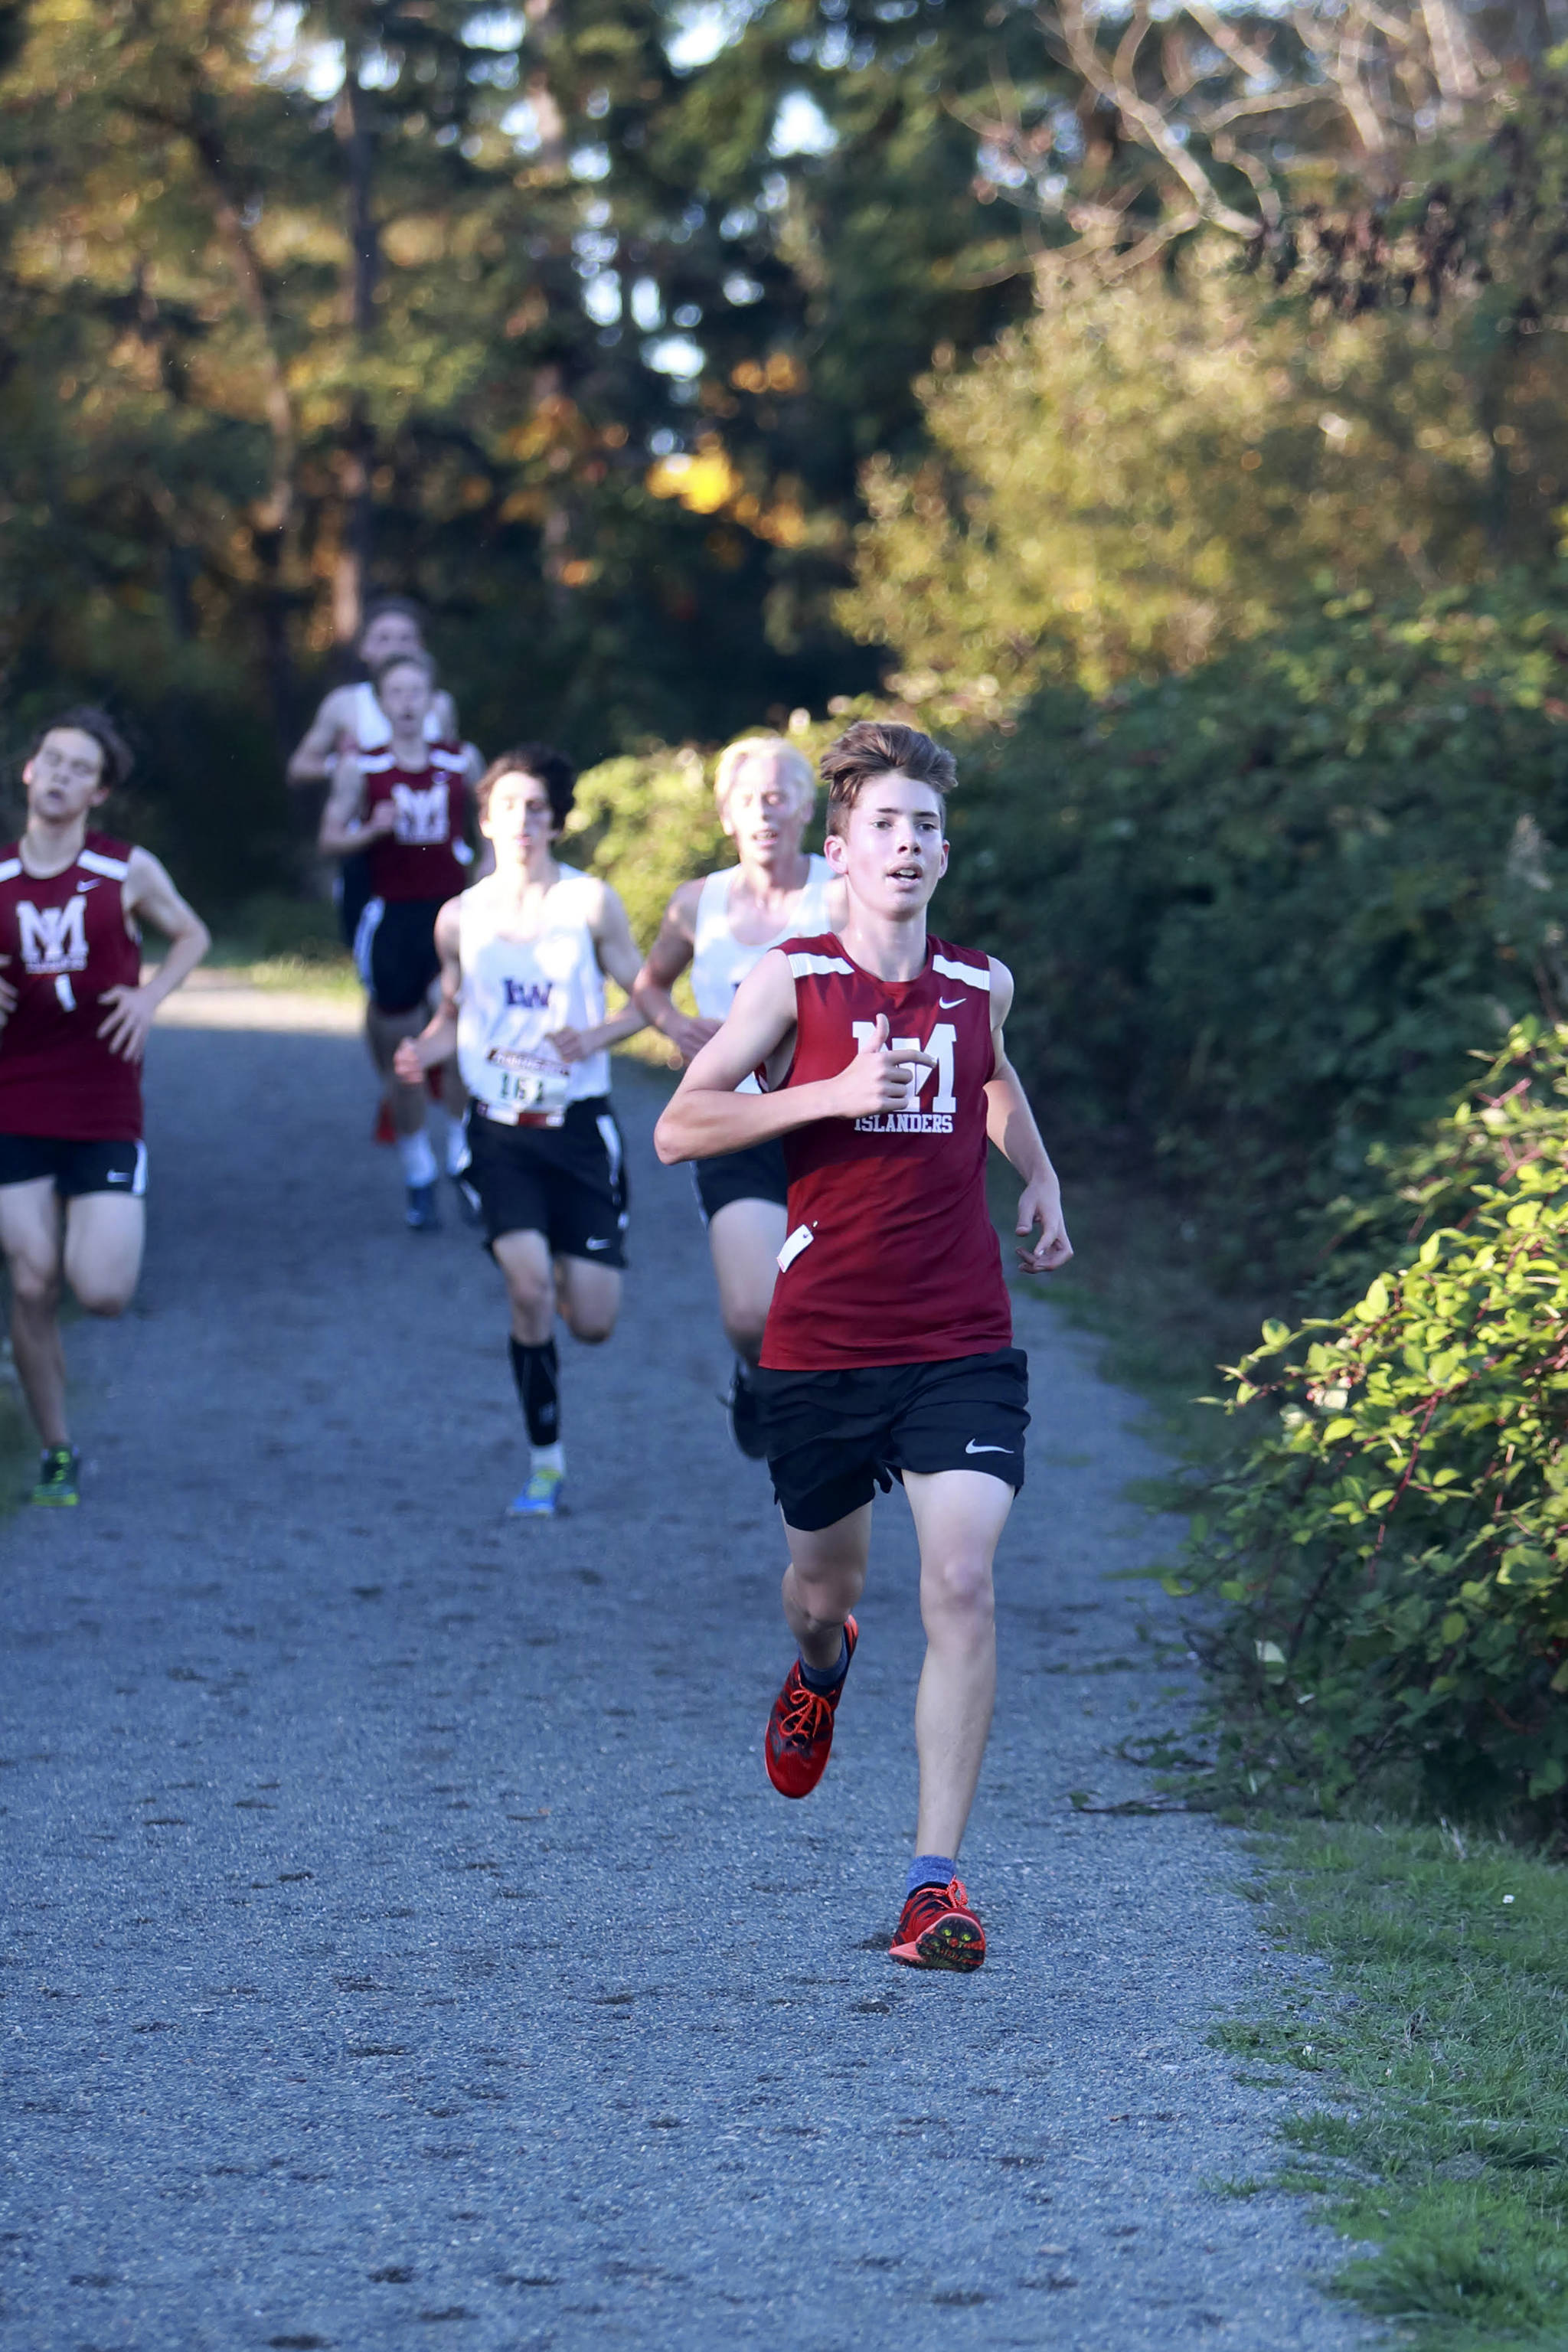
421, 1216
59, 1472
746, 1419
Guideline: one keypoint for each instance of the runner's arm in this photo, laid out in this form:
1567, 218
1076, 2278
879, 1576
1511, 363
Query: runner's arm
705, 1115
667, 960
317, 755
342, 829
618, 953
148, 895
1010, 1124
438, 1041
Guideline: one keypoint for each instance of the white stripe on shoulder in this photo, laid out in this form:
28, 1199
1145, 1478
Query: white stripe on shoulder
945, 969
9, 868
115, 868
817, 967
373, 763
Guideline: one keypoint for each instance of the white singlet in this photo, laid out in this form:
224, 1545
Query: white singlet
373, 729
516, 991
718, 960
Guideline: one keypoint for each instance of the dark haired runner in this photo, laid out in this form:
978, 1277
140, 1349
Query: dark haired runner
74, 1017
350, 721
405, 808
523, 958
888, 1345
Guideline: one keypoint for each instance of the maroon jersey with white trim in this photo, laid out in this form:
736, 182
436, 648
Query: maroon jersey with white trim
892, 1256
418, 859
66, 941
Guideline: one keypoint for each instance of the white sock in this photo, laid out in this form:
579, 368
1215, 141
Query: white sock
418, 1160
547, 1457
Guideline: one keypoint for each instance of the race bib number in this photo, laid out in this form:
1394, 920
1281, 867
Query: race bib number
543, 1090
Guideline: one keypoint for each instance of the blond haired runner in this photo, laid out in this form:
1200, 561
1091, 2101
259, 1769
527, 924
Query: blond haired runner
721, 927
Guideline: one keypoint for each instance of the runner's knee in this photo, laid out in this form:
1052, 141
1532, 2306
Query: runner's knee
33, 1286
958, 1588
97, 1297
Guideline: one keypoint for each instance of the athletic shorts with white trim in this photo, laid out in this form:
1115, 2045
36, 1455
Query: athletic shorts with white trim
75, 1168
758, 1173
834, 1437
352, 892
567, 1182
394, 948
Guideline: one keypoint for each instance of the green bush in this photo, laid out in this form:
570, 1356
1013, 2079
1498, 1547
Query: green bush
1258, 914
646, 823
1393, 1550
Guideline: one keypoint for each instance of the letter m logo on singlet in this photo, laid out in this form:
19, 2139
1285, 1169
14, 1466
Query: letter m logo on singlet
54, 938
421, 814
940, 1045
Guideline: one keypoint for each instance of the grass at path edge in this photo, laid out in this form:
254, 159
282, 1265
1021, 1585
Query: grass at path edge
1431, 2053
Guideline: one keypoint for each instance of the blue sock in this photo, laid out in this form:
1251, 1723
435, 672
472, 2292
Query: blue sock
823, 1683
930, 1870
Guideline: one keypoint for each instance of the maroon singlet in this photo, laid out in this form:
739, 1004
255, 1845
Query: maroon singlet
68, 942
417, 860
901, 1266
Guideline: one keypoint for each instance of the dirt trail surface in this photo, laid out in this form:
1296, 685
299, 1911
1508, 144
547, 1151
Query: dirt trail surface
401, 1932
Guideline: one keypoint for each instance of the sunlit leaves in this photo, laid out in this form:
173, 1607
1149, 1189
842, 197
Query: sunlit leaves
1405, 1558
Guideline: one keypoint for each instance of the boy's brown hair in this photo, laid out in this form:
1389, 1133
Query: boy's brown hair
115, 755
545, 764
881, 747
415, 659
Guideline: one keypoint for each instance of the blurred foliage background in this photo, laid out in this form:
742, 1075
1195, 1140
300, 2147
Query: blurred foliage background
1166, 403
1167, 407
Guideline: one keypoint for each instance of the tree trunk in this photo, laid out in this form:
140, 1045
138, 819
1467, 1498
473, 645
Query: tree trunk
356, 543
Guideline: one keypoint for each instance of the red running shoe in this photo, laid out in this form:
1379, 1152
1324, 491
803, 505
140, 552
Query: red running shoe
384, 1131
939, 1931
800, 1729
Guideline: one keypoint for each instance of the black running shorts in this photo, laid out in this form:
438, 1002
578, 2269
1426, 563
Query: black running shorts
394, 947
567, 1182
833, 1438
755, 1174
353, 892
75, 1168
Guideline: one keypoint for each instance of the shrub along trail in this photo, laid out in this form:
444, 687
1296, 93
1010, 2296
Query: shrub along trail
400, 1926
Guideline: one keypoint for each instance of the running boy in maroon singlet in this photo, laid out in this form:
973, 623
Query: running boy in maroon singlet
407, 808
888, 1352
74, 1018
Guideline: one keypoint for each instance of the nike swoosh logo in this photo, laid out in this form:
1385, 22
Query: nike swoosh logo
946, 1004
82, 888
118, 1176
973, 1448
598, 1244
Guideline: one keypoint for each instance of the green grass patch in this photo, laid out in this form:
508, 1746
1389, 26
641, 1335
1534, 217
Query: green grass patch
1439, 2130
1431, 2056
18, 1440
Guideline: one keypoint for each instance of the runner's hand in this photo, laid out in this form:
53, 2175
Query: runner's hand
878, 1079
407, 1065
383, 818
124, 1026
689, 1036
571, 1046
1041, 1205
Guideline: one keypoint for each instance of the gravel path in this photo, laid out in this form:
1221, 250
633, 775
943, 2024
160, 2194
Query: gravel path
401, 1933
